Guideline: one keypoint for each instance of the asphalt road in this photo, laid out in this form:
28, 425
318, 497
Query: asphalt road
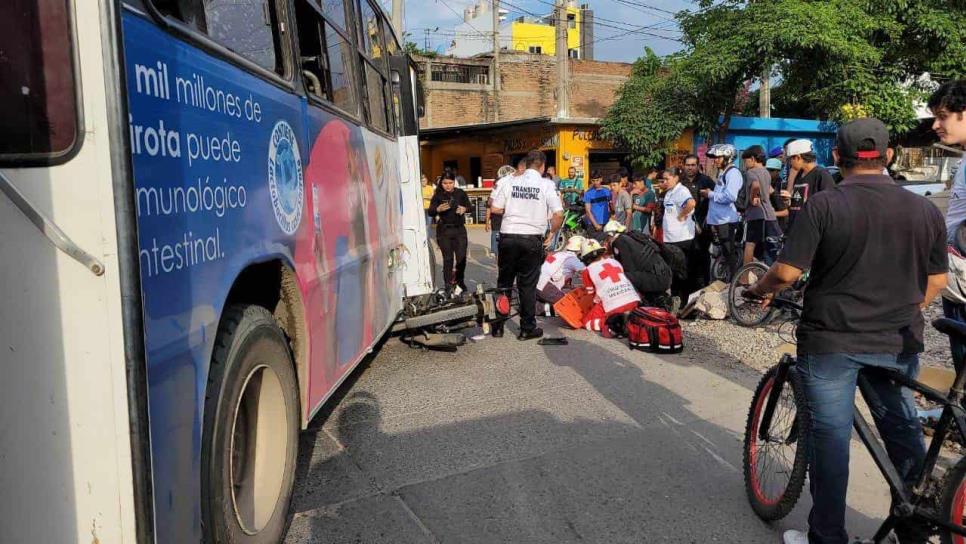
509, 441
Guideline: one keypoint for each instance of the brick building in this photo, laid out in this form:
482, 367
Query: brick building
470, 125
459, 91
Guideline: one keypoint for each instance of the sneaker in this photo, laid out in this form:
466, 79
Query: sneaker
794, 537
530, 334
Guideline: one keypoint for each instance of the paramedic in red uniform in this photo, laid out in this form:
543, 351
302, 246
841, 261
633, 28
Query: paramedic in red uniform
526, 202
613, 292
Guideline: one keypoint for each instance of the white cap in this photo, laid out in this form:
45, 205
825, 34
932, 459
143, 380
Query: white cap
798, 147
614, 227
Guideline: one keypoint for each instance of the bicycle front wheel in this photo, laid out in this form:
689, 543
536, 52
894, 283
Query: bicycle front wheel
746, 312
952, 506
775, 461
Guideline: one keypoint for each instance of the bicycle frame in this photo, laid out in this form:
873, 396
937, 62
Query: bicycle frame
907, 502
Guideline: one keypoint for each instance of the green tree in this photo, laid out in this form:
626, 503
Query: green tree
829, 59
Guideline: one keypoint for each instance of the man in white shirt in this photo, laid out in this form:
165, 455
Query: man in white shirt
525, 202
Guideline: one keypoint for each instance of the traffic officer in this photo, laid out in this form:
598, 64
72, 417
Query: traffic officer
526, 202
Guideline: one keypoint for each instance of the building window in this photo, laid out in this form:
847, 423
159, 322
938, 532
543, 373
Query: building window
459, 73
536, 50
246, 27
571, 20
573, 53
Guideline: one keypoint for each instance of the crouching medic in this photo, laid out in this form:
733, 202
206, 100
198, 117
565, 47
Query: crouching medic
557, 273
614, 295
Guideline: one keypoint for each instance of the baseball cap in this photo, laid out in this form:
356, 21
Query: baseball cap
773, 164
866, 138
776, 151
798, 147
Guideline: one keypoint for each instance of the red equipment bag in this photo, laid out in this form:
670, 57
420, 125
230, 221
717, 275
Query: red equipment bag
654, 329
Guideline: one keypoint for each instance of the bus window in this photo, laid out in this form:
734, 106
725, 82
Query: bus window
327, 71
376, 87
246, 27
369, 31
334, 11
392, 46
40, 120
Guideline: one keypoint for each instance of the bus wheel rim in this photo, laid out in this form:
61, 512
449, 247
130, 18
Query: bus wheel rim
258, 449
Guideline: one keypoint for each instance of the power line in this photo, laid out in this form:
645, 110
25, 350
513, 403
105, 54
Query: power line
460, 15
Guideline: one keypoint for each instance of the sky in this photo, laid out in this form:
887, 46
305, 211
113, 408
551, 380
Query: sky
615, 35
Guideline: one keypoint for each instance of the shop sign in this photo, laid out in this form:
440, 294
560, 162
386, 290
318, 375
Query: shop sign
520, 143
590, 135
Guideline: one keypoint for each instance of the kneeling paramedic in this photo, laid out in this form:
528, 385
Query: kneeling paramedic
877, 256
557, 274
640, 256
526, 202
614, 295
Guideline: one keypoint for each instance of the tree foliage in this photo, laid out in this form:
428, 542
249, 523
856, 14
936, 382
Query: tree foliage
829, 59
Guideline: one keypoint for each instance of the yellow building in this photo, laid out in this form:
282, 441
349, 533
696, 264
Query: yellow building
539, 36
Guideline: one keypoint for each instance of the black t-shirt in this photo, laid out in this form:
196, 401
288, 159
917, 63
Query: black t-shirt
700, 181
450, 217
806, 185
870, 246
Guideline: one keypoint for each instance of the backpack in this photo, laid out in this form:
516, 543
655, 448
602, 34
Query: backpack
676, 260
643, 263
655, 330
742, 201
673, 256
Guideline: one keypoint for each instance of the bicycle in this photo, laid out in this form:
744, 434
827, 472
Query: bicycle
779, 418
749, 313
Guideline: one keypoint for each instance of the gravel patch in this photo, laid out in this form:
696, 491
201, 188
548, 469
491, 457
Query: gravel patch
726, 342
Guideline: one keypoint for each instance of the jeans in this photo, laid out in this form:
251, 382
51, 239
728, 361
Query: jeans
957, 311
727, 235
830, 383
495, 242
519, 259
452, 243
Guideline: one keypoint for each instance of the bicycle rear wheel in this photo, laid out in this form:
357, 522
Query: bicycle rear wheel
952, 506
775, 466
746, 312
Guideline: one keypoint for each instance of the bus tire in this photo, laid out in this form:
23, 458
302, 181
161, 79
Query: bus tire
250, 434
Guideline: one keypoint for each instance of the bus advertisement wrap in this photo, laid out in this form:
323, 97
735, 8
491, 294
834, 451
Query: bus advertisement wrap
230, 172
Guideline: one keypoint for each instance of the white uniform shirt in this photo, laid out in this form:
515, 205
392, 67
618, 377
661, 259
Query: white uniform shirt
610, 284
674, 202
526, 202
558, 268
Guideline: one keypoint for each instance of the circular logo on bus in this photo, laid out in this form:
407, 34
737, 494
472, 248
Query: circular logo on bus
285, 177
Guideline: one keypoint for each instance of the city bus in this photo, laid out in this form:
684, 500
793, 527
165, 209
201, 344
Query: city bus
210, 214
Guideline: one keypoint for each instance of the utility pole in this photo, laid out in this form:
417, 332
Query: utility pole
398, 10
563, 62
496, 60
764, 94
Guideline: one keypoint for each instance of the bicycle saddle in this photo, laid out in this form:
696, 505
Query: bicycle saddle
950, 327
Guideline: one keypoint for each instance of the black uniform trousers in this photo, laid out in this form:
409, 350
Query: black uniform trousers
728, 236
520, 258
452, 243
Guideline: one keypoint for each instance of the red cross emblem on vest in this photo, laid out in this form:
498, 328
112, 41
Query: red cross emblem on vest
610, 272
551, 258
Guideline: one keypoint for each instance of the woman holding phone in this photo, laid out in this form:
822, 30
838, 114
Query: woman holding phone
449, 204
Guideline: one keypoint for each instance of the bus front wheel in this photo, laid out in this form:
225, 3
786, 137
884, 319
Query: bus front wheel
251, 425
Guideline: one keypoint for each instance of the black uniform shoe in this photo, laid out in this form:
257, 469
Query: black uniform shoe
530, 334
497, 330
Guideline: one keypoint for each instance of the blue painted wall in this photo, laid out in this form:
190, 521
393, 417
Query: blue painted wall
744, 132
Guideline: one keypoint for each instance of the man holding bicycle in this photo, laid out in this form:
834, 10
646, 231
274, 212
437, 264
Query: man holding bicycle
877, 256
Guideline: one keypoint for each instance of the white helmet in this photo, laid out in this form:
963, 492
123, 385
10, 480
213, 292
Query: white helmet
727, 151
575, 243
590, 249
505, 171
614, 227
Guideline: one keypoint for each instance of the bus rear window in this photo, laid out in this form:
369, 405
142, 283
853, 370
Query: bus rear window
38, 92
